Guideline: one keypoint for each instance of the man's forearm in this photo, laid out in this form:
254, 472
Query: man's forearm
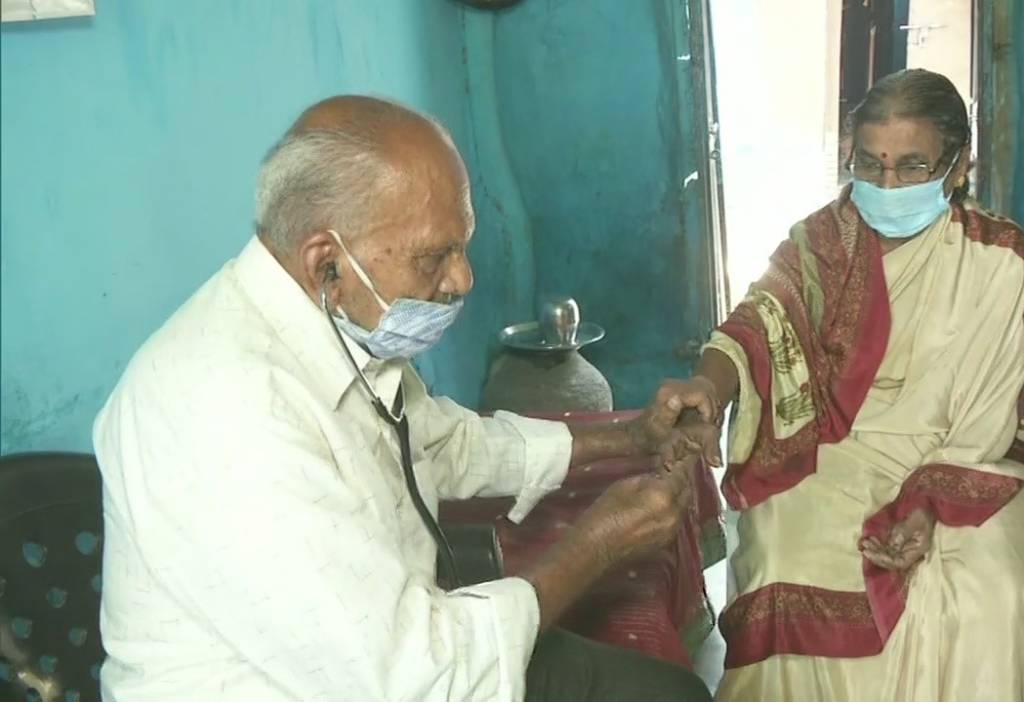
563, 574
592, 442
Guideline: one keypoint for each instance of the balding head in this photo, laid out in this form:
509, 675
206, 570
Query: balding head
339, 159
358, 113
392, 185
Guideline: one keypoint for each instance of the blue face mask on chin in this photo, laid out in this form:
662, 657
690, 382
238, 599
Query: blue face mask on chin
900, 213
408, 327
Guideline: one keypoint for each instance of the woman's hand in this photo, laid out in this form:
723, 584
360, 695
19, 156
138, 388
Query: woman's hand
693, 436
660, 421
908, 542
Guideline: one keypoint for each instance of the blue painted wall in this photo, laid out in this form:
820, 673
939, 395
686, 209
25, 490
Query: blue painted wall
130, 146
1017, 210
596, 108
501, 251
131, 142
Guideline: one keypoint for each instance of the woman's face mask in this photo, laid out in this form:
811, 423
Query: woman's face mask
408, 327
900, 213
904, 211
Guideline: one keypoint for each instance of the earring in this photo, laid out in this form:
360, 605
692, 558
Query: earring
962, 182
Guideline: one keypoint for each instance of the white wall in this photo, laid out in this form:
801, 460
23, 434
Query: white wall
778, 76
943, 42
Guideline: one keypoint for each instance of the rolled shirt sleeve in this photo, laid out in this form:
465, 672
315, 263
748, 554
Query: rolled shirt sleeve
503, 455
545, 449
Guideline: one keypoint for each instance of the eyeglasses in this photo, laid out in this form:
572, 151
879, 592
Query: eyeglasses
909, 174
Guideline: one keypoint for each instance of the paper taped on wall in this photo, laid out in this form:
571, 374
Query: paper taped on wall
22, 10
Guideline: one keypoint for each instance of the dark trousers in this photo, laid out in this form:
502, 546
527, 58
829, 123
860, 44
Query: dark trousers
569, 668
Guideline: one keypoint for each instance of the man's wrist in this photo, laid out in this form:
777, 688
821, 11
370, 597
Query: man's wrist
593, 539
593, 442
637, 436
567, 570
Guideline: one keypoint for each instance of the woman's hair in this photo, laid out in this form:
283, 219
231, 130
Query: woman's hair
921, 94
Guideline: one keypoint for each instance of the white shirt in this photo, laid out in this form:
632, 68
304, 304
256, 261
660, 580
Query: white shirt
260, 543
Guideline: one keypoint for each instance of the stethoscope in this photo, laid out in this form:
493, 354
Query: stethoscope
395, 416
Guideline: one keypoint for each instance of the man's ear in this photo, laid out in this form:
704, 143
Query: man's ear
317, 263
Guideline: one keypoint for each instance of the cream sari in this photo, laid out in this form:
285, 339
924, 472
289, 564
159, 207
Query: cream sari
812, 619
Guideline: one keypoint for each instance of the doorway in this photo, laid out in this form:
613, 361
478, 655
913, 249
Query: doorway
778, 94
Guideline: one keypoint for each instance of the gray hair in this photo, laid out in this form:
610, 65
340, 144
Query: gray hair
320, 179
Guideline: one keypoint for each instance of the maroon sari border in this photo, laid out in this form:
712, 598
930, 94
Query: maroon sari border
990, 229
800, 619
957, 497
960, 496
806, 620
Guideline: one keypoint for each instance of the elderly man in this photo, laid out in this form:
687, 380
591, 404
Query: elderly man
272, 464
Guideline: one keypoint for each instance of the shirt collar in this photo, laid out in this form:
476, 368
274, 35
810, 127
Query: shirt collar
305, 329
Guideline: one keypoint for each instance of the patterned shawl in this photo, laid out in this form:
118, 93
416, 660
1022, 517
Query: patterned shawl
814, 329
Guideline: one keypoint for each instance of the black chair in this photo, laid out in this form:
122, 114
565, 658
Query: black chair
51, 530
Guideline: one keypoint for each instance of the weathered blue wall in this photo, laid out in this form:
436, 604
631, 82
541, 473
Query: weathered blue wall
1017, 210
502, 251
130, 147
131, 143
596, 109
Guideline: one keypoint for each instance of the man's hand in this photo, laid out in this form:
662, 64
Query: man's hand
632, 517
656, 425
692, 437
906, 544
639, 514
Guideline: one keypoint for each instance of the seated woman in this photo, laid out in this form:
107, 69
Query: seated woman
876, 371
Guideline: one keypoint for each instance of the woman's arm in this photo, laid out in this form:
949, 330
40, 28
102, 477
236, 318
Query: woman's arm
717, 368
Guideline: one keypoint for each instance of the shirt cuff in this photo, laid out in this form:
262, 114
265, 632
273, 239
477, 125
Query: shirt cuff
516, 622
547, 452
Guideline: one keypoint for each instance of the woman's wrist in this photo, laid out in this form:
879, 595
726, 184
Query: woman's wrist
709, 387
